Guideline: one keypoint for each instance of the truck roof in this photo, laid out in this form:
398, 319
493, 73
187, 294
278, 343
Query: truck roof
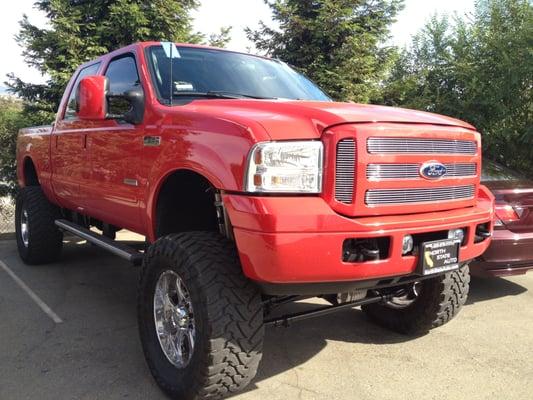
143, 45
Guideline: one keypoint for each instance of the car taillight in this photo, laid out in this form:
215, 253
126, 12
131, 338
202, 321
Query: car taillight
505, 213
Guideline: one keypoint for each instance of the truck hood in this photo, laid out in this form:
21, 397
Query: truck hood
307, 120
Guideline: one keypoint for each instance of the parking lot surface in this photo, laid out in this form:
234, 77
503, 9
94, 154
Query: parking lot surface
95, 353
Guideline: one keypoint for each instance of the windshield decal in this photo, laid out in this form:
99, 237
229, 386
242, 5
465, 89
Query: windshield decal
170, 50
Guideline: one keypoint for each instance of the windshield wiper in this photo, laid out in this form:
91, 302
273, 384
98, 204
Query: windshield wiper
238, 95
216, 94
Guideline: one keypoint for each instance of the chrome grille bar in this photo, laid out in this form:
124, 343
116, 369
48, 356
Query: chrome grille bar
380, 145
418, 195
412, 171
345, 171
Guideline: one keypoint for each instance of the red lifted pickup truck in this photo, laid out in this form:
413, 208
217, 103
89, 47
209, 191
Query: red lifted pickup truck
253, 189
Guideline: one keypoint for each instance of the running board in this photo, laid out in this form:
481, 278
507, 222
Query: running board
117, 248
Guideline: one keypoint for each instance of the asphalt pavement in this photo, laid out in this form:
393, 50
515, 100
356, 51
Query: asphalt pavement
68, 331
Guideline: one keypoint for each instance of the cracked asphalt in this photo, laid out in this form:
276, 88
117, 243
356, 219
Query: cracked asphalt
95, 353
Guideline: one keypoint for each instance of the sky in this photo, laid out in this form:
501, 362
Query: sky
209, 18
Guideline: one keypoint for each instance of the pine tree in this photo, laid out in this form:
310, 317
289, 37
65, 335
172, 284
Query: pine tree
478, 68
80, 30
337, 43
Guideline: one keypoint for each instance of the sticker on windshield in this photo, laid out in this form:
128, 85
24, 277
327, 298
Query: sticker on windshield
170, 50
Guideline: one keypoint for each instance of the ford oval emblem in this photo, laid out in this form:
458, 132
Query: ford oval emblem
433, 170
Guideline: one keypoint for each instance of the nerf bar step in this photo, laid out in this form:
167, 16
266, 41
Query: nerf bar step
117, 248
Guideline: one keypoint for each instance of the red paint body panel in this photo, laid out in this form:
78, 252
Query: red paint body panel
101, 168
34, 144
364, 131
511, 250
508, 254
91, 98
300, 240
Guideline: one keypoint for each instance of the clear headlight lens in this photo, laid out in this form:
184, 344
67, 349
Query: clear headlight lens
285, 167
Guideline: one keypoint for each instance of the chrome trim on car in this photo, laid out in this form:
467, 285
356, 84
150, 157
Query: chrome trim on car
382, 145
345, 171
375, 172
380, 197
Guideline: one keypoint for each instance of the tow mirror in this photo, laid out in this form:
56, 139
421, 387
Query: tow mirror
91, 98
127, 106
94, 102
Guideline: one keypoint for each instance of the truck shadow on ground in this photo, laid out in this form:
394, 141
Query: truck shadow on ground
482, 289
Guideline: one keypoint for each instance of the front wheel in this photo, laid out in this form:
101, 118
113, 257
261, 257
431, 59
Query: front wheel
200, 319
417, 308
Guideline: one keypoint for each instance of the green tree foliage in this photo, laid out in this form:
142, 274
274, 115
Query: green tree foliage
220, 39
80, 30
12, 118
337, 43
479, 69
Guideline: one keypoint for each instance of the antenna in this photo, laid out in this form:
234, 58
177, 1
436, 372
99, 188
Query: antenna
171, 93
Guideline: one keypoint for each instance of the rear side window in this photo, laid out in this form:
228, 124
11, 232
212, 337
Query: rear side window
70, 112
122, 76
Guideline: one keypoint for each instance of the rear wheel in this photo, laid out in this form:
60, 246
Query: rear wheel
200, 319
38, 238
427, 304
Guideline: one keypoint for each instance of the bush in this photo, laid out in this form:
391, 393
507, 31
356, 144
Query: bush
10, 122
13, 117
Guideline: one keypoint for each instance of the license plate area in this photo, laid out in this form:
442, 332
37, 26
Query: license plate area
439, 256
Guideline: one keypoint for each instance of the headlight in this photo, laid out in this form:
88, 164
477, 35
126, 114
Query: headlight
285, 167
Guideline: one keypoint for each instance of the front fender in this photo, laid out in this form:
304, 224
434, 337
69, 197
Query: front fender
216, 152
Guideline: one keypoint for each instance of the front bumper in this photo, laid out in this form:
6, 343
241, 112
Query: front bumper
508, 254
295, 240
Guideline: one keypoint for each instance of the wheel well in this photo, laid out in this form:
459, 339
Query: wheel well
30, 173
186, 202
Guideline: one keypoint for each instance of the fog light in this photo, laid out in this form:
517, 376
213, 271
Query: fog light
456, 234
407, 245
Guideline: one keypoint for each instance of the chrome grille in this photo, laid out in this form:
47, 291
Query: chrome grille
345, 171
412, 171
418, 195
380, 145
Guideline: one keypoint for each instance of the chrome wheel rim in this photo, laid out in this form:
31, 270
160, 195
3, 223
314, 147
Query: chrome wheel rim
24, 228
174, 319
406, 296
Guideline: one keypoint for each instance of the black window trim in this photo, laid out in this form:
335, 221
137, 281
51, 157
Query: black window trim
74, 87
133, 55
124, 55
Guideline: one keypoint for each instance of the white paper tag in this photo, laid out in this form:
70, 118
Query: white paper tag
170, 47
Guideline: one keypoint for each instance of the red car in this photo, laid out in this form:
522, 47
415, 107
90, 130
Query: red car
511, 251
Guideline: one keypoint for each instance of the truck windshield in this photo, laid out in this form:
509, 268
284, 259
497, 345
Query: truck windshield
211, 73
492, 171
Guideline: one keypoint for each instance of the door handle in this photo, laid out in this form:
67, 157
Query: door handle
84, 142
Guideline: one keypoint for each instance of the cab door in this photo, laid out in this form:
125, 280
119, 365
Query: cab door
70, 161
115, 151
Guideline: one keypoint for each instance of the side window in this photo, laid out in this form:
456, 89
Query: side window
70, 112
123, 77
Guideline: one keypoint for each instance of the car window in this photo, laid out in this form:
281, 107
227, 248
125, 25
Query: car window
199, 70
492, 171
70, 111
122, 76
